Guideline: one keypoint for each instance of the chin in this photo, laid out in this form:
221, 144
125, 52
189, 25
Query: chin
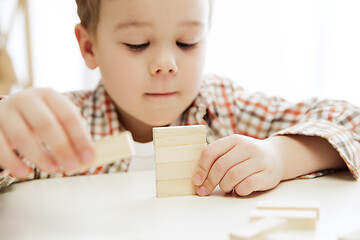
160, 120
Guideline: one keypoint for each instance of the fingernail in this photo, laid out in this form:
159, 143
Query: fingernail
201, 191
87, 156
70, 165
197, 180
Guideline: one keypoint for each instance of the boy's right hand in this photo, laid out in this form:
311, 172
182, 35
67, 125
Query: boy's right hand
45, 128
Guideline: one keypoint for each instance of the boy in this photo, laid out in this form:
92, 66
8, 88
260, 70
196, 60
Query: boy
151, 56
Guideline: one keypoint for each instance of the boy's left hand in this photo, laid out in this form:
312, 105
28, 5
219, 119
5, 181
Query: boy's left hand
238, 163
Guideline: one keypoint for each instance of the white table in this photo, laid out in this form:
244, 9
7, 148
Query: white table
124, 206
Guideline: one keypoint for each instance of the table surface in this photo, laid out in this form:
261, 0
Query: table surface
124, 206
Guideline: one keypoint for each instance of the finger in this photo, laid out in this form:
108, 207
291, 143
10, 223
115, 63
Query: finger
205, 189
238, 173
22, 139
250, 184
209, 155
46, 128
9, 160
222, 165
73, 124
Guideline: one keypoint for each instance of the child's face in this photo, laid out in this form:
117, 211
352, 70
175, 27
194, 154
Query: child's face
151, 56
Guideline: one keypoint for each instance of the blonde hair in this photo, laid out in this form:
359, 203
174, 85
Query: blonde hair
89, 12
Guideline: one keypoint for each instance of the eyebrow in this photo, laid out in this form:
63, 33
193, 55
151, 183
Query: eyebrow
191, 24
140, 24
135, 24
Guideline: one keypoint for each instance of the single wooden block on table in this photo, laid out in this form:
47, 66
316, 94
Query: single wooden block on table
290, 205
177, 152
351, 236
110, 149
297, 220
259, 229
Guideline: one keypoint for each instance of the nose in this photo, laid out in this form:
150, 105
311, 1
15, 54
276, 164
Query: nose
164, 64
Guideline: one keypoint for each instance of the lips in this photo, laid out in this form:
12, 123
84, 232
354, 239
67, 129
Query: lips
166, 94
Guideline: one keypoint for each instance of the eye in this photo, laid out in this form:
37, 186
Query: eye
137, 47
186, 46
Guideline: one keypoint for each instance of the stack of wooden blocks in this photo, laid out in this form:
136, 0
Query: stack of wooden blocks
270, 217
177, 152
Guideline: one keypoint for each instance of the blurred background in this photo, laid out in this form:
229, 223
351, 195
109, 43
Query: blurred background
289, 48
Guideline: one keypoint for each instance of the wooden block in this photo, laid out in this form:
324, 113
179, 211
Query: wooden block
110, 149
291, 235
351, 236
259, 229
179, 135
175, 170
175, 187
289, 205
177, 152
299, 220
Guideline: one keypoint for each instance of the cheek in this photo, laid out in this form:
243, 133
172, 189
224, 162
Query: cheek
193, 70
114, 61
121, 80
196, 61
120, 72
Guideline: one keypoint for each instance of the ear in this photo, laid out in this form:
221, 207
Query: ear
86, 45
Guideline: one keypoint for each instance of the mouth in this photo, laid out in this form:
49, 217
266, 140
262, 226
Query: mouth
161, 95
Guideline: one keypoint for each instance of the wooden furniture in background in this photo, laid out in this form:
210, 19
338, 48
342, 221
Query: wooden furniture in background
7, 73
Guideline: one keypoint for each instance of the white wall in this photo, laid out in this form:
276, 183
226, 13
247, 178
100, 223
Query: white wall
295, 49
291, 48
58, 62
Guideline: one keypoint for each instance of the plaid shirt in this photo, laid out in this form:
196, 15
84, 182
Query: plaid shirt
226, 109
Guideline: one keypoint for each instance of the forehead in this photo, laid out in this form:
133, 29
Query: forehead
154, 11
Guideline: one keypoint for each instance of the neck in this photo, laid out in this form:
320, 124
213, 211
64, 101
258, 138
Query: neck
141, 132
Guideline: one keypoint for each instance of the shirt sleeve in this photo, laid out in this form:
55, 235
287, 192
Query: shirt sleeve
5, 181
337, 122
260, 116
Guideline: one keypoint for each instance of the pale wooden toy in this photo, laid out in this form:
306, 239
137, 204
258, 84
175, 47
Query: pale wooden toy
266, 219
259, 229
177, 152
297, 220
289, 205
7, 74
110, 149
351, 236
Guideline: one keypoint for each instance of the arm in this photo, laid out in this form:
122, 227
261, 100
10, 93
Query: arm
303, 155
275, 140
246, 164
